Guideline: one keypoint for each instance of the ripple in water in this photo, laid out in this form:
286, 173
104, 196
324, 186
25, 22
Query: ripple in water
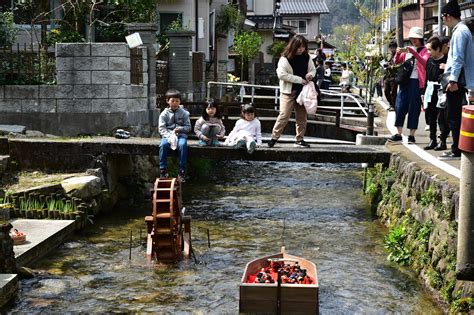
243, 205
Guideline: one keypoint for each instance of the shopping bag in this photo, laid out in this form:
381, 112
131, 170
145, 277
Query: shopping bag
309, 98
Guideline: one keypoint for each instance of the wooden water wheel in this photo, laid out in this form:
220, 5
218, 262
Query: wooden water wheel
169, 231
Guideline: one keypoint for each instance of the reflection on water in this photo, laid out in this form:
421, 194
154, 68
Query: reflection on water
244, 206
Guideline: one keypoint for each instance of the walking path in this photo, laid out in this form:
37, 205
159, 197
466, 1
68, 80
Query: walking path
451, 167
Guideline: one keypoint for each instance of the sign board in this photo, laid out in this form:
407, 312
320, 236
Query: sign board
134, 40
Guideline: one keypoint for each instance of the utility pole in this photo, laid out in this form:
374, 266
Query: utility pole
440, 20
399, 24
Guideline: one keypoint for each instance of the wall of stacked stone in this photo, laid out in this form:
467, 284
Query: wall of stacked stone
421, 210
93, 94
7, 256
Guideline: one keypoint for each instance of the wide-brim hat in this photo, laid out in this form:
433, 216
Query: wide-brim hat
415, 32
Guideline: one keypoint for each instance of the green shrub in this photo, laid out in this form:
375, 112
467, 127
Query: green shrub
428, 197
394, 243
60, 35
8, 30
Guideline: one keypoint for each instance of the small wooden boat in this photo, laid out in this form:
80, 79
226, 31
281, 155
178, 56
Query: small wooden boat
275, 296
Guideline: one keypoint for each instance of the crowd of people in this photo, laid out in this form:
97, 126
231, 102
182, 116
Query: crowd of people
434, 77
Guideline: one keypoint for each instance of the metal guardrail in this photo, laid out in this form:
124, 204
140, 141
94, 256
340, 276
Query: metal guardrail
361, 104
343, 96
242, 90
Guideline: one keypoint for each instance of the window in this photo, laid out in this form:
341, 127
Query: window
250, 6
300, 25
167, 18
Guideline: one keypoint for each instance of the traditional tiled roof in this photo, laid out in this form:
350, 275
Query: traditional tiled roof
303, 7
262, 21
466, 4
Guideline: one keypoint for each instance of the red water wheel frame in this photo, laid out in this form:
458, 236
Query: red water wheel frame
165, 225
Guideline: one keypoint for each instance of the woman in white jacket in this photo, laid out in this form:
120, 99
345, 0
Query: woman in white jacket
295, 69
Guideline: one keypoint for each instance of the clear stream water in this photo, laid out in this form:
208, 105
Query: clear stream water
243, 205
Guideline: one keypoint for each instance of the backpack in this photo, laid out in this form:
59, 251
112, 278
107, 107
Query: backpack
404, 72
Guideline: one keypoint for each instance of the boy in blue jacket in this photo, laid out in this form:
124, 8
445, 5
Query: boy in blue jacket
174, 120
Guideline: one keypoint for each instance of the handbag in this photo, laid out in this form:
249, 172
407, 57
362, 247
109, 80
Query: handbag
404, 72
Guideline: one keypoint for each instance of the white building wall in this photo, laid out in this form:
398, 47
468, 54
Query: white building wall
263, 7
187, 9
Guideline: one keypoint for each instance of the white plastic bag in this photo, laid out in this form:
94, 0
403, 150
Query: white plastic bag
173, 141
309, 98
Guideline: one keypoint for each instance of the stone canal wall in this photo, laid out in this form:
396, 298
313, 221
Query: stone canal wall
421, 210
7, 256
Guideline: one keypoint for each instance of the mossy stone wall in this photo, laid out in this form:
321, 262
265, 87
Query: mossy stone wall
7, 256
421, 211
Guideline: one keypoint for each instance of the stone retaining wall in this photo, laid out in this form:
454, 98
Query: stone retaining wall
7, 256
421, 211
93, 94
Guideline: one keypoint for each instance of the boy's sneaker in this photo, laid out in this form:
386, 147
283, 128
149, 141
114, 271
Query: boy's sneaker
301, 144
272, 143
395, 138
202, 143
251, 147
240, 144
181, 176
411, 139
216, 143
163, 173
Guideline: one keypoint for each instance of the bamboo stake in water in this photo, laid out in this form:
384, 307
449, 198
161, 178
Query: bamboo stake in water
130, 252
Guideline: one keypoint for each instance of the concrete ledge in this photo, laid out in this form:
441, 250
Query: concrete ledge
42, 236
370, 140
67, 154
8, 287
70, 121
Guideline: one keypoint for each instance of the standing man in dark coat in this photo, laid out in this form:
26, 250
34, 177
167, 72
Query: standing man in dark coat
390, 76
459, 71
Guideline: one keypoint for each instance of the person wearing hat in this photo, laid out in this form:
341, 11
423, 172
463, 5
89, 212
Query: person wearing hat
459, 71
409, 95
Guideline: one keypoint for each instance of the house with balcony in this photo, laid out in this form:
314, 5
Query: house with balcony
424, 13
297, 17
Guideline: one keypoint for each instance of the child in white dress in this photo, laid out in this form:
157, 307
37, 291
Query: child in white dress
247, 131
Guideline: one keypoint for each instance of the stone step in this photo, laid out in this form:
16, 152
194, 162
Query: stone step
8, 287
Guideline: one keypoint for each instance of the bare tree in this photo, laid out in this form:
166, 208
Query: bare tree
242, 5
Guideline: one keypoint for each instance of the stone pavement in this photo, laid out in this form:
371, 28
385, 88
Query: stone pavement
42, 236
451, 167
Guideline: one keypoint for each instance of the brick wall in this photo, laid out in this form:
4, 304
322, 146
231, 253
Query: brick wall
93, 94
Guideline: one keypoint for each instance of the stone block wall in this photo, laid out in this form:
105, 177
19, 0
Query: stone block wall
421, 211
93, 94
7, 256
